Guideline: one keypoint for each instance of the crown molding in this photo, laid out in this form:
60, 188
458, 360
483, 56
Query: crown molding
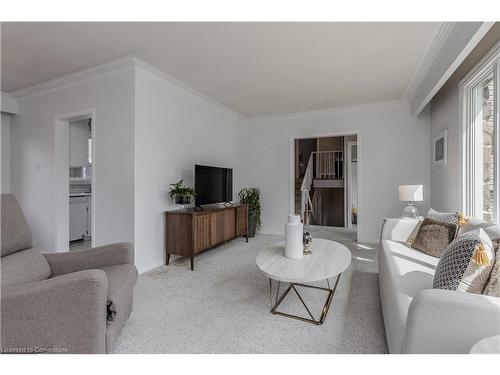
454, 49
106, 70
165, 77
472, 77
77, 78
439, 38
327, 111
9, 104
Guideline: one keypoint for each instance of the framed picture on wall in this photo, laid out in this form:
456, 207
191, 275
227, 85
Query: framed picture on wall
440, 148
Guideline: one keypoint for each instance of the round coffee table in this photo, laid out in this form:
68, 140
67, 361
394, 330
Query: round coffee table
328, 259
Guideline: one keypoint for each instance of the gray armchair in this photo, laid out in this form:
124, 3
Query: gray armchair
73, 302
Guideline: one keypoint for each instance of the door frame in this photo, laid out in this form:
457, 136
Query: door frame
61, 176
291, 183
349, 182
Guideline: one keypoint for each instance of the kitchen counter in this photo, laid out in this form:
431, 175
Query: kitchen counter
76, 180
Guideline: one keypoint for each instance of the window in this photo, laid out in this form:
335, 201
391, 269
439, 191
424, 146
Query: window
481, 138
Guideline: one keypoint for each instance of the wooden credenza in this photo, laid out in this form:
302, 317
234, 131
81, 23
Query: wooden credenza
189, 232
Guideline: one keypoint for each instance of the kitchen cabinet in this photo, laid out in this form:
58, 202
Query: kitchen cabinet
78, 218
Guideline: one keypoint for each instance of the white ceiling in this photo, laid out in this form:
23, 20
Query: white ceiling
255, 69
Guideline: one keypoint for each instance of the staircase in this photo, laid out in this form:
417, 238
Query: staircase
323, 166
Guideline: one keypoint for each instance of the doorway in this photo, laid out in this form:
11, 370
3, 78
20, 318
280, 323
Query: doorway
80, 184
325, 180
352, 183
75, 184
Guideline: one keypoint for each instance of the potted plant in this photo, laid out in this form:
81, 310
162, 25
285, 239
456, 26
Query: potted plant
251, 197
181, 193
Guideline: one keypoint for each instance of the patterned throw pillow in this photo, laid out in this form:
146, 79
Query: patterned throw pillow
433, 237
493, 286
444, 217
466, 263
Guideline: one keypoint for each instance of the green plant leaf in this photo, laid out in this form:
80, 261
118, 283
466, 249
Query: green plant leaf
180, 190
251, 197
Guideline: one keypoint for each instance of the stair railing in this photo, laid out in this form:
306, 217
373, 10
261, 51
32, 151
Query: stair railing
329, 165
306, 206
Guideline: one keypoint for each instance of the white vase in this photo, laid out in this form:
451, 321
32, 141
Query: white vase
294, 230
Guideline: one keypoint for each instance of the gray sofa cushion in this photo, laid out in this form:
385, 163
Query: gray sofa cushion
25, 266
16, 234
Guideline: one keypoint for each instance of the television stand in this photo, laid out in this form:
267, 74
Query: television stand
191, 232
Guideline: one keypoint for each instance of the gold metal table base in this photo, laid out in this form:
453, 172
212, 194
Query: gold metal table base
293, 286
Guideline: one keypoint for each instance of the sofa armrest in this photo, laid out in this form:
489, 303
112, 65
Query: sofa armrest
444, 321
398, 229
97, 257
65, 314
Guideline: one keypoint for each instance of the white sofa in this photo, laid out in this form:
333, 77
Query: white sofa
417, 318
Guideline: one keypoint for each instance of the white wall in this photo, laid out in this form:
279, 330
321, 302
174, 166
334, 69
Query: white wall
174, 131
5, 151
393, 149
8, 104
445, 114
33, 156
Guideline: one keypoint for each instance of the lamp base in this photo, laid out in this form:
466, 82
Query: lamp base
410, 211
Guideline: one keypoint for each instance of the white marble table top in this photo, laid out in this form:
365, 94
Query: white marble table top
489, 345
327, 260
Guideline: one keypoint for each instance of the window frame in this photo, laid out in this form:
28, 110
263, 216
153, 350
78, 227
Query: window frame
469, 103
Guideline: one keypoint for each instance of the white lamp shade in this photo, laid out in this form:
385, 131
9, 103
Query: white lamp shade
411, 193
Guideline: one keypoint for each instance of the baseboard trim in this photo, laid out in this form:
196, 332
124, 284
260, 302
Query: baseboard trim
150, 267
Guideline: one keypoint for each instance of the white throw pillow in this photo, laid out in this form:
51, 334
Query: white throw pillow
413, 234
492, 230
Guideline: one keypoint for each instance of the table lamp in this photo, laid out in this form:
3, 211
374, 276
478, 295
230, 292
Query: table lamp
410, 194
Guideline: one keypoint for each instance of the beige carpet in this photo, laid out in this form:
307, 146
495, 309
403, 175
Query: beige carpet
223, 306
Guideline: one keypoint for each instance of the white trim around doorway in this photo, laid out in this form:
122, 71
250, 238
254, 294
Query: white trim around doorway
291, 182
61, 176
349, 182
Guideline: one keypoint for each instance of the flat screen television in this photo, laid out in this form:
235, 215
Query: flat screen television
212, 184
